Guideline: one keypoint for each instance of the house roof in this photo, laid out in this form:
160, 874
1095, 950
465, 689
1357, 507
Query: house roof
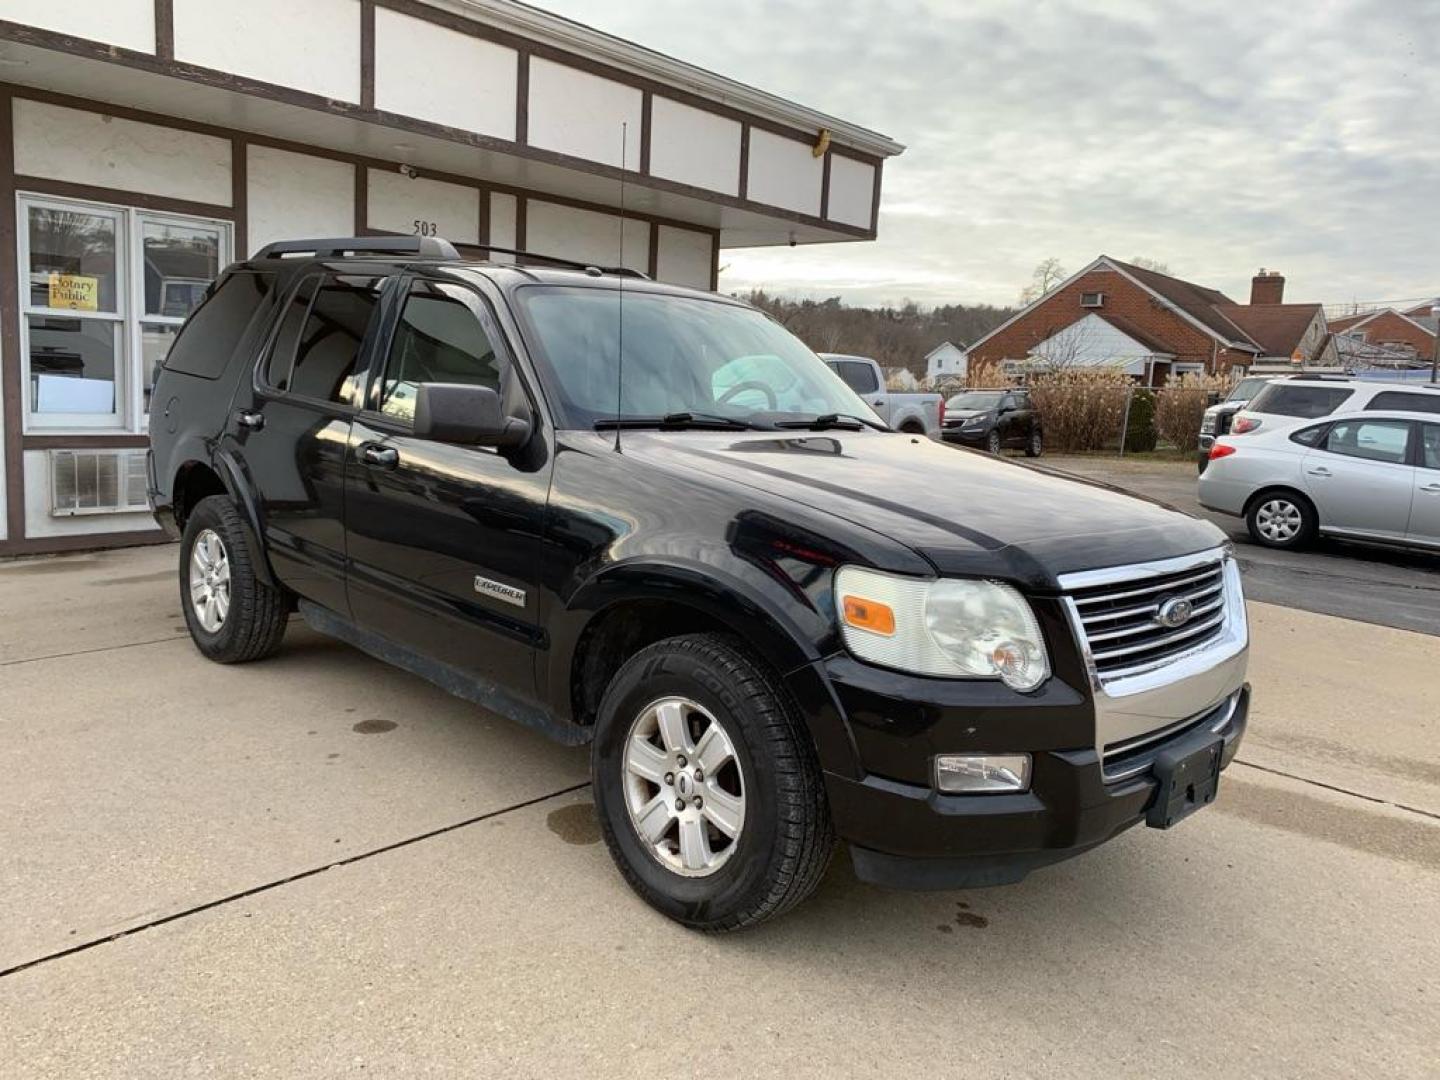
1276, 328
943, 346
1197, 301
1350, 322
1346, 322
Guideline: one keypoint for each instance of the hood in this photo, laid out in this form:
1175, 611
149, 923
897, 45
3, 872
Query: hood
967, 513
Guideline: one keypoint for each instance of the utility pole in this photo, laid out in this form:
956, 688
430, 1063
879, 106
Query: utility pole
1435, 352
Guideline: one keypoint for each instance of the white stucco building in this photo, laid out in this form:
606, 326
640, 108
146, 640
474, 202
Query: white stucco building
146, 143
946, 361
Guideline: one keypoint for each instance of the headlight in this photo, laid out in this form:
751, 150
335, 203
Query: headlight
947, 627
976, 421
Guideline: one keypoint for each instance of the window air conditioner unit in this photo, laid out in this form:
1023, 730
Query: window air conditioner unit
97, 482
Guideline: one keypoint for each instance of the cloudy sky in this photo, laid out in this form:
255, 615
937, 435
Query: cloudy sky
1216, 137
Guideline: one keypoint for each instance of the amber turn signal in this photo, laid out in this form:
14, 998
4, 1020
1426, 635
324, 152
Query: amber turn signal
869, 615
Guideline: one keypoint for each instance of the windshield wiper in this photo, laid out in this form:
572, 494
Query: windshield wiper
677, 421
827, 421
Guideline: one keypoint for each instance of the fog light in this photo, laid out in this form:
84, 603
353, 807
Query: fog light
978, 774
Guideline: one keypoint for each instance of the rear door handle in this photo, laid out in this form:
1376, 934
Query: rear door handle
1322, 471
377, 456
1430, 487
248, 418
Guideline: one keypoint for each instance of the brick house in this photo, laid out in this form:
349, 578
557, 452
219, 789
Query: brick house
1397, 331
1153, 325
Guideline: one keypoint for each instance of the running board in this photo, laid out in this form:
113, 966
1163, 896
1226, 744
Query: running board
452, 680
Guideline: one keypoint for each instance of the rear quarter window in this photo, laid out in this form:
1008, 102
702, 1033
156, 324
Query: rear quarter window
1287, 399
210, 336
1405, 401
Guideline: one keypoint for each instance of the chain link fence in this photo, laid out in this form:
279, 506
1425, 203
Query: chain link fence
1100, 412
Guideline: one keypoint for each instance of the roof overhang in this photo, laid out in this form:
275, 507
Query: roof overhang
108, 78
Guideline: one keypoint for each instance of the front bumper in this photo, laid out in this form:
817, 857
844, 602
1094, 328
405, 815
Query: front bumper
910, 836
972, 437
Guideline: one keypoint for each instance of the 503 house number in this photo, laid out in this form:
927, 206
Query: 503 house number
426, 228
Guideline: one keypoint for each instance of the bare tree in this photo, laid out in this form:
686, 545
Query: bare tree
1047, 275
1150, 264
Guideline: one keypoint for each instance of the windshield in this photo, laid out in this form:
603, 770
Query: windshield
1245, 389
682, 355
977, 401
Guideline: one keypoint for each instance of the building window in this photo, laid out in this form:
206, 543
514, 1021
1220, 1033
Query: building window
106, 291
1092, 299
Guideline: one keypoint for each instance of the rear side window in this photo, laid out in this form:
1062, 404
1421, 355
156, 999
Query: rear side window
1405, 401
1309, 436
1287, 399
317, 349
859, 377
213, 332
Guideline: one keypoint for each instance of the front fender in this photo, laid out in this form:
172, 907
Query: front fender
790, 648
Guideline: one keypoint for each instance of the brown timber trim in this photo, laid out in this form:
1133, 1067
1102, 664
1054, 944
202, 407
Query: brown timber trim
362, 198
99, 440
742, 193
367, 54
521, 206
240, 197
10, 359
825, 186
45, 545
522, 97
483, 215
302, 99
137, 199
654, 259
647, 108
875, 204
165, 29
715, 264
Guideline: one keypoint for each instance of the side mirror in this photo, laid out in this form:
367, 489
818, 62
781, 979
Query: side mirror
469, 415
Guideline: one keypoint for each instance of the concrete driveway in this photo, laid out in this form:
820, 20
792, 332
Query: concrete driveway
318, 866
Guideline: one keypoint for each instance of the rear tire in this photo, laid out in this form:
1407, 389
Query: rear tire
1282, 519
772, 790
233, 616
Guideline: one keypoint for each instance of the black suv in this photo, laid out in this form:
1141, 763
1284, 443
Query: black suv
994, 419
649, 519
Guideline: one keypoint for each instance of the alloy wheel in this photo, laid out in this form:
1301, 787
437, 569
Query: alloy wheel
684, 787
210, 581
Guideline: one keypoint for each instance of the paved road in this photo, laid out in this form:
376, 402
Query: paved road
1376, 585
318, 866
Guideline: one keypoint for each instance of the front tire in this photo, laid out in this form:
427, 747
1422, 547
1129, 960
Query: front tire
1281, 519
1035, 444
707, 787
233, 616
992, 442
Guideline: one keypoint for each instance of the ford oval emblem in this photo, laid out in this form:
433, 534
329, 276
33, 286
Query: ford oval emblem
1174, 612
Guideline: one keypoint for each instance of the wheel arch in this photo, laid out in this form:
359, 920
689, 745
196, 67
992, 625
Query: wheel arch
222, 475
630, 605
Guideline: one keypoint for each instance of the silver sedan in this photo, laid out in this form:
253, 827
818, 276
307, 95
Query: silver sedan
1371, 476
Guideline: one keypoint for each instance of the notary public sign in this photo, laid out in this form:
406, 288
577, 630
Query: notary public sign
74, 292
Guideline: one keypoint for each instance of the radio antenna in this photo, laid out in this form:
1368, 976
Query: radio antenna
620, 302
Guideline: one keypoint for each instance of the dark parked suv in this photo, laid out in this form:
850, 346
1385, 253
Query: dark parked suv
994, 419
649, 519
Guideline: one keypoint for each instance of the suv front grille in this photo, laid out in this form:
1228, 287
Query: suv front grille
1120, 619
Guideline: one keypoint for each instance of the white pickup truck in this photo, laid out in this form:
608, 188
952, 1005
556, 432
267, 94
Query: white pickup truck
920, 414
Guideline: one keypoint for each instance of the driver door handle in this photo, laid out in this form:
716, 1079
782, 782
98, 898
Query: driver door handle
377, 456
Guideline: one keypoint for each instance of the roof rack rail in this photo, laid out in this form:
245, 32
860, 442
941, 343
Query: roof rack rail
426, 247
560, 260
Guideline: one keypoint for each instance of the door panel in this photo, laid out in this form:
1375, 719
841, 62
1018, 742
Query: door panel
443, 540
293, 447
1425, 511
1360, 479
